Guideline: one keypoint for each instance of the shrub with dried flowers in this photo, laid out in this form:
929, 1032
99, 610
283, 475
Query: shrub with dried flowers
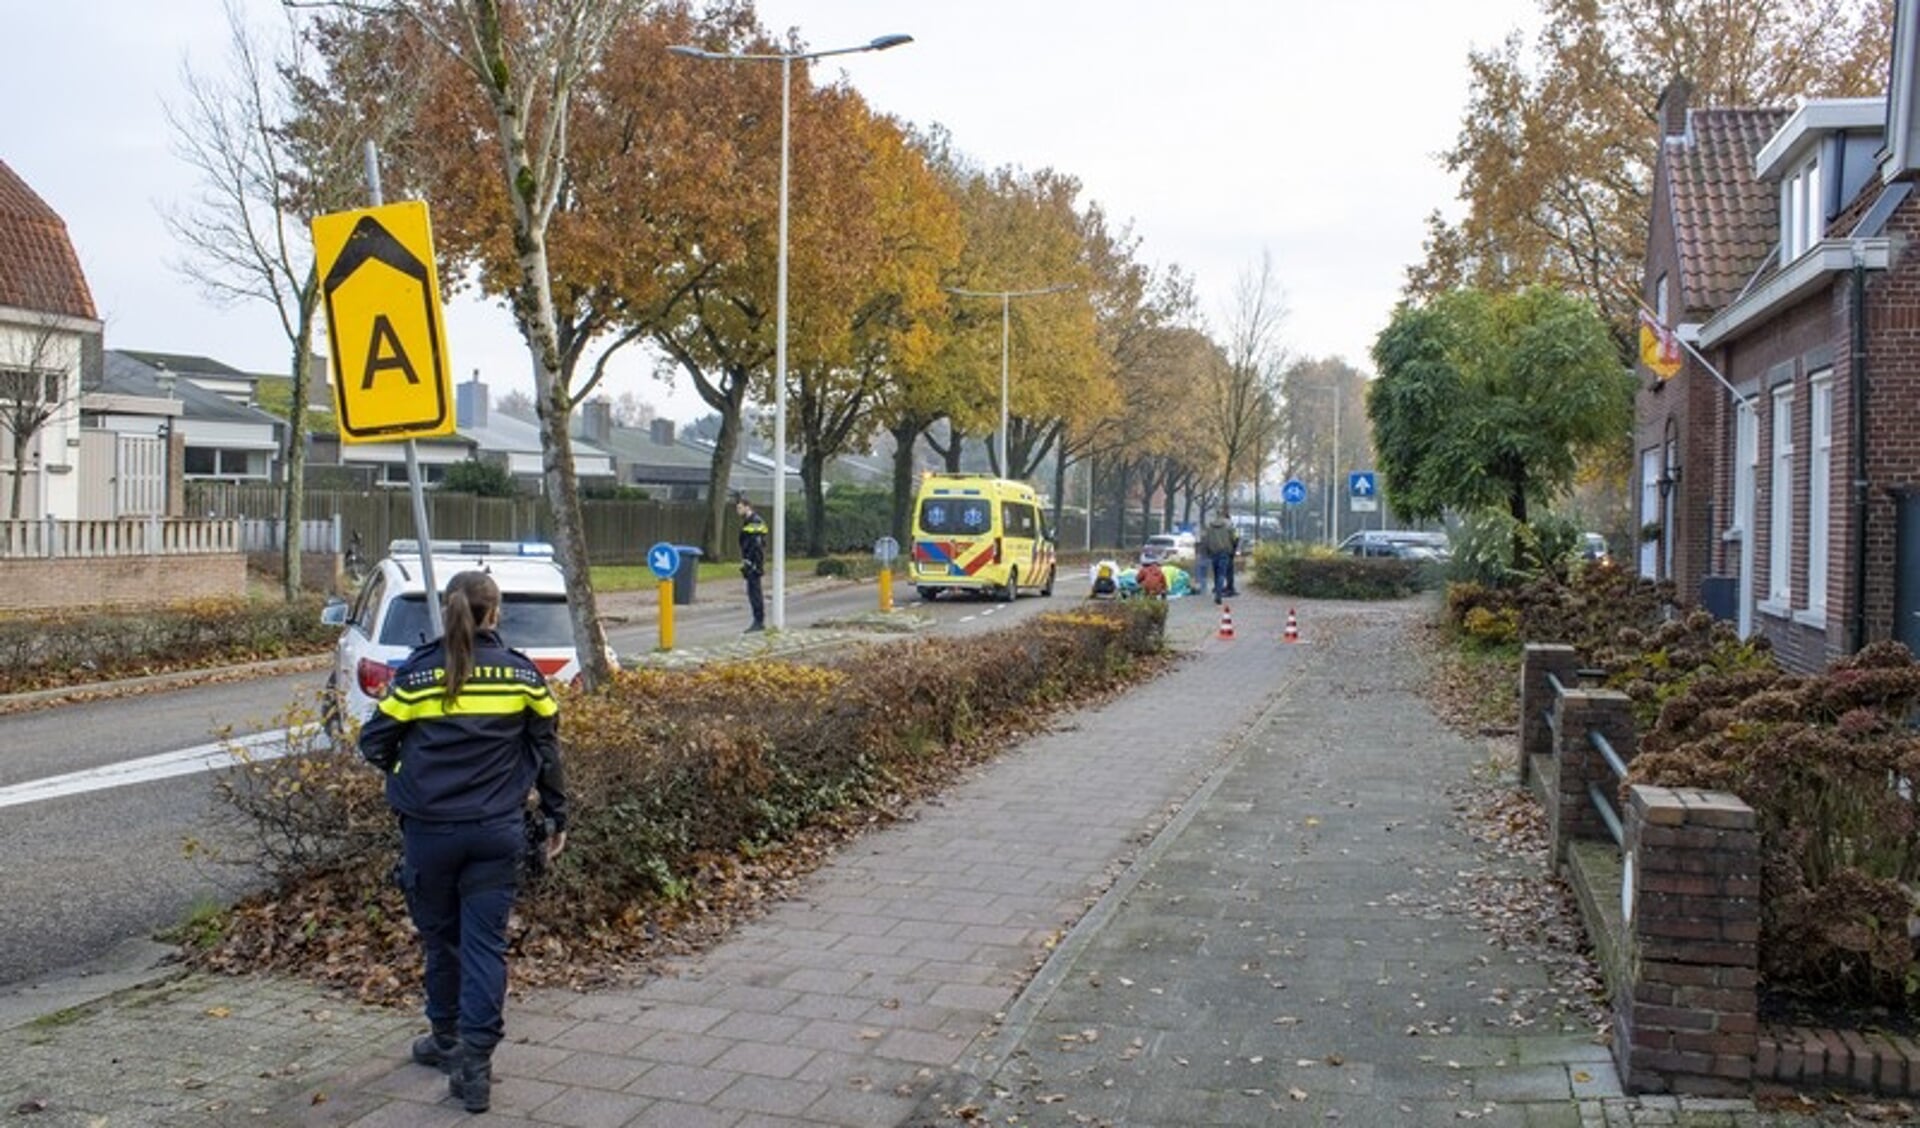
1829, 764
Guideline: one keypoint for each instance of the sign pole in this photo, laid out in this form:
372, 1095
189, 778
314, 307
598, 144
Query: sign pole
665, 561
420, 530
666, 614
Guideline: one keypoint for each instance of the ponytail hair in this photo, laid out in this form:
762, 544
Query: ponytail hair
472, 599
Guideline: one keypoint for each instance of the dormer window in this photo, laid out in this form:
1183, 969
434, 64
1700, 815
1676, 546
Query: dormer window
1802, 214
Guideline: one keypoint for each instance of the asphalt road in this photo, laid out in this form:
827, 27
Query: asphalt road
86, 870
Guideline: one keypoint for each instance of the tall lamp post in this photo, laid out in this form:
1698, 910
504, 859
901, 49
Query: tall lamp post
1006, 303
786, 61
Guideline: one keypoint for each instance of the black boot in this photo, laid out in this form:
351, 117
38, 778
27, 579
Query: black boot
471, 1078
436, 1050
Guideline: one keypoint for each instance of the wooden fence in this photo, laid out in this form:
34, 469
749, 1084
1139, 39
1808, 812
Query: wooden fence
617, 531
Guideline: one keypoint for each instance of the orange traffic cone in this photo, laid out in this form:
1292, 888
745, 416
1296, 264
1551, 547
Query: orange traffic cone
1226, 621
1293, 627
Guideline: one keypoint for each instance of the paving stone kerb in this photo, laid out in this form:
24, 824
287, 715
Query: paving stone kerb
864, 1000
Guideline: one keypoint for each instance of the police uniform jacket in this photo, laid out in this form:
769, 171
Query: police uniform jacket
474, 758
753, 543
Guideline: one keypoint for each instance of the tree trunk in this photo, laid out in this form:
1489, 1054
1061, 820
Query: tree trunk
718, 474
1059, 491
1121, 473
19, 475
294, 499
812, 470
905, 434
539, 325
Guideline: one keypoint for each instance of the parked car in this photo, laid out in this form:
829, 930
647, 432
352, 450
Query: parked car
1405, 544
387, 618
1593, 548
1169, 548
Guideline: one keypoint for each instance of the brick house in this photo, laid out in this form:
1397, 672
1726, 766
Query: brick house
1779, 248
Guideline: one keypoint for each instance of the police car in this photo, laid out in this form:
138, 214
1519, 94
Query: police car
388, 617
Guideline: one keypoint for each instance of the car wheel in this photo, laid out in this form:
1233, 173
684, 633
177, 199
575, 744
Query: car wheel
1047, 591
927, 594
1012, 591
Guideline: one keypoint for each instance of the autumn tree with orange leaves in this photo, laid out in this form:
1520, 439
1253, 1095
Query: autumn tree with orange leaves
1557, 144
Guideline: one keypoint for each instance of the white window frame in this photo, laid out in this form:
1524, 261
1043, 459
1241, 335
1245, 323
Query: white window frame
1801, 220
1780, 498
1819, 493
1660, 308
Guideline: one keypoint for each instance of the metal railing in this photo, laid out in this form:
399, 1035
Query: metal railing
1603, 806
1598, 797
135, 536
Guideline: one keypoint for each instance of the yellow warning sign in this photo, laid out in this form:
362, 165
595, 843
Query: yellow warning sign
391, 377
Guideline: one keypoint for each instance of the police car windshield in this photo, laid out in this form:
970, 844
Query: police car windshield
527, 622
956, 516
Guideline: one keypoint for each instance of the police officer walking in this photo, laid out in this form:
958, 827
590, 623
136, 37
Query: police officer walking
753, 558
467, 729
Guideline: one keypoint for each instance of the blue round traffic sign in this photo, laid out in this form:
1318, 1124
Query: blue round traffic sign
1294, 492
664, 559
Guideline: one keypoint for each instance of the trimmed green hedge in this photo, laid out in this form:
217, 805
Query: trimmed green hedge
74, 648
1322, 574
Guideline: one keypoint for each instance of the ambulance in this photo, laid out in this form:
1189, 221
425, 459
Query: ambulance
979, 534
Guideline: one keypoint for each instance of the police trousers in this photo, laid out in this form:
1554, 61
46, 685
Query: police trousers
460, 880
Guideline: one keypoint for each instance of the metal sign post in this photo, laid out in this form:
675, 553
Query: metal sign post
664, 561
388, 338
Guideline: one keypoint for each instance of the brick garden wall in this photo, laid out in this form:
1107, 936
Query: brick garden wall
118, 581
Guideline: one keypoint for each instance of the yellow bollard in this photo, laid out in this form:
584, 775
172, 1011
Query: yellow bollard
666, 614
886, 588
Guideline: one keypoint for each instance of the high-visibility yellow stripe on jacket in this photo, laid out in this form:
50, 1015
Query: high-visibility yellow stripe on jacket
477, 755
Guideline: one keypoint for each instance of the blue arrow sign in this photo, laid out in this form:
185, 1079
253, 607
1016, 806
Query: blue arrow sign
1360, 483
664, 559
1294, 492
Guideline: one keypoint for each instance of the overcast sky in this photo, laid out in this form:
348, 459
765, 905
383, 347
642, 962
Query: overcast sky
1218, 128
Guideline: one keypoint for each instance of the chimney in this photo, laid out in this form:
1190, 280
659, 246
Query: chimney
596, 420
1672, 109
661, 431
470, 403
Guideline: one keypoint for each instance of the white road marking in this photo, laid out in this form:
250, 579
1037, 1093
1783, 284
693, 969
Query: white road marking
968, 618
165, 765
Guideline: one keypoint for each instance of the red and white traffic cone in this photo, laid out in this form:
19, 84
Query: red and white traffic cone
1293, 627
1226, 620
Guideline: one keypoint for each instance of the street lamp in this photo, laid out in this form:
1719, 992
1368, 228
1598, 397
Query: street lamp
1006, 300
786, 62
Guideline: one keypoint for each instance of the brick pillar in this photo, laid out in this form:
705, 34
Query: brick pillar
1536, 698
1687, 1022
1571, 814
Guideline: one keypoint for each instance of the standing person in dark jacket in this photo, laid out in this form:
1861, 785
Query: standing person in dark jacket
465, 731
753, 558
1220, 542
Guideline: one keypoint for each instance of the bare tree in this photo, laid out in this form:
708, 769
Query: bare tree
517, 404
1243, 388
38, 383
245, 233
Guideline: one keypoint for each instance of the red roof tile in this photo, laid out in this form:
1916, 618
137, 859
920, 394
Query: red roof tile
1725, 220
38, 269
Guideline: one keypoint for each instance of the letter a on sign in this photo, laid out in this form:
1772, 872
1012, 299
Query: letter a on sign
390, 372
